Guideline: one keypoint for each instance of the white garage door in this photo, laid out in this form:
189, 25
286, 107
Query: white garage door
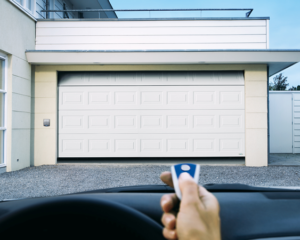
151, 114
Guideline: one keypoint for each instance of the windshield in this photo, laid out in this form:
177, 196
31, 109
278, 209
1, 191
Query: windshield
95, 99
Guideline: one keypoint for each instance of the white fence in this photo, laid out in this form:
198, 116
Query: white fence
284, 117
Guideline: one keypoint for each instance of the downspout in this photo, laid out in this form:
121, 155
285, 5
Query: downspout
268, 114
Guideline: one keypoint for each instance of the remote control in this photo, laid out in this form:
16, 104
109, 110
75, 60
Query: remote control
176, 170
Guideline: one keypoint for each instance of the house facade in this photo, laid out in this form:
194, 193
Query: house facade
87, 86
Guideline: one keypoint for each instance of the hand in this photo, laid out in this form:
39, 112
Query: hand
198, 215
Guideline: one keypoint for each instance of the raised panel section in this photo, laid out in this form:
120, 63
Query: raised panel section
125, 145
125, 97
178, 122
99, 98
231, 145
96, 122
151, 145
72, 98
231, 121
204, 98
99, 146
204, 145
204, 121
231, 98
178, 145
151, 122
72, 146
127, 122
73, 122
178, 98
151, 98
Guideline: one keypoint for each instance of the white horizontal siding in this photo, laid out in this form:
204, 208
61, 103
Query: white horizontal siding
118, 35
150, 39
150, 46
101, 31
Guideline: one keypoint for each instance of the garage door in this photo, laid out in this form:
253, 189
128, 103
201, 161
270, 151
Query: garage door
146, 114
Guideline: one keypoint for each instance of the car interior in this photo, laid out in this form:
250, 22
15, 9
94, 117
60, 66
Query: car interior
247, 213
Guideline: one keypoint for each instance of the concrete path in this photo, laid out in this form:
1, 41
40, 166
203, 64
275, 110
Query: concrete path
286, 159
70, 178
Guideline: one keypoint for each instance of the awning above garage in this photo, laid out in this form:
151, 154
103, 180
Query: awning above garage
277, 60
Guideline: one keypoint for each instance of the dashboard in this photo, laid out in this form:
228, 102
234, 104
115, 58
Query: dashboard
244, 215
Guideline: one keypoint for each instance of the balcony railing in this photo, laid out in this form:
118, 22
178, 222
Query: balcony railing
199, 10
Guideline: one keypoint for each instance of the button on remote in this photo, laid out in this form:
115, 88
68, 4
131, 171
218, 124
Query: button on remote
176, 170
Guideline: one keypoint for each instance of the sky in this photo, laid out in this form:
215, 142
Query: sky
284, 27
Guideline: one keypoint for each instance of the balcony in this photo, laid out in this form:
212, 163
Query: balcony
185, 33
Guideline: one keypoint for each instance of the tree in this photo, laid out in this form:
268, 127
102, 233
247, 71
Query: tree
280, 82
271, 86
292, 89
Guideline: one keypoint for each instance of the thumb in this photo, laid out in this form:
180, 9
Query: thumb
189, 189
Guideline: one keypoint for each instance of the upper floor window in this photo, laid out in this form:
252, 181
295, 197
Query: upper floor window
3, 93
27, 4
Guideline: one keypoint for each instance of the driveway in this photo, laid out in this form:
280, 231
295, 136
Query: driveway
286, 159
70, 178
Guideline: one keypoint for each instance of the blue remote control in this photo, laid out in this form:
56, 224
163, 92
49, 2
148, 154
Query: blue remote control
176, 170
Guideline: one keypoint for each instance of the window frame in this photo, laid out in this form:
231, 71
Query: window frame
4, 91
30, 13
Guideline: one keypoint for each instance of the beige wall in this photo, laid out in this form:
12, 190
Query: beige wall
17, 32
45, 106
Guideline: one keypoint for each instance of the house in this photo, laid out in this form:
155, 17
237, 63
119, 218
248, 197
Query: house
90, 85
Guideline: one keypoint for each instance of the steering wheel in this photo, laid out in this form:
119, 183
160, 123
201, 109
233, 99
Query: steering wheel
117, 213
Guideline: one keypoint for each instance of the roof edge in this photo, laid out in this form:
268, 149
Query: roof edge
175, 50
154, 19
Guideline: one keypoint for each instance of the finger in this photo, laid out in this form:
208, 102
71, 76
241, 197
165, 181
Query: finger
189, 190
166, 177
169, 220
170, 234
169, 202
209, 201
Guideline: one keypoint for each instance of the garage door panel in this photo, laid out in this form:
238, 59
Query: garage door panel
151, 97
151, 121
151, 114
151, 145
153, 78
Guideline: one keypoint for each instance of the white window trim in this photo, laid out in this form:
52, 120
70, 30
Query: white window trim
24, 9
4, 90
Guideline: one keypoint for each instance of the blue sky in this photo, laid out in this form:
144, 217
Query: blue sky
284, 19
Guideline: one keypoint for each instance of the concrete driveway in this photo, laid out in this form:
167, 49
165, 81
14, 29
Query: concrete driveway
70, 178
284, 159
